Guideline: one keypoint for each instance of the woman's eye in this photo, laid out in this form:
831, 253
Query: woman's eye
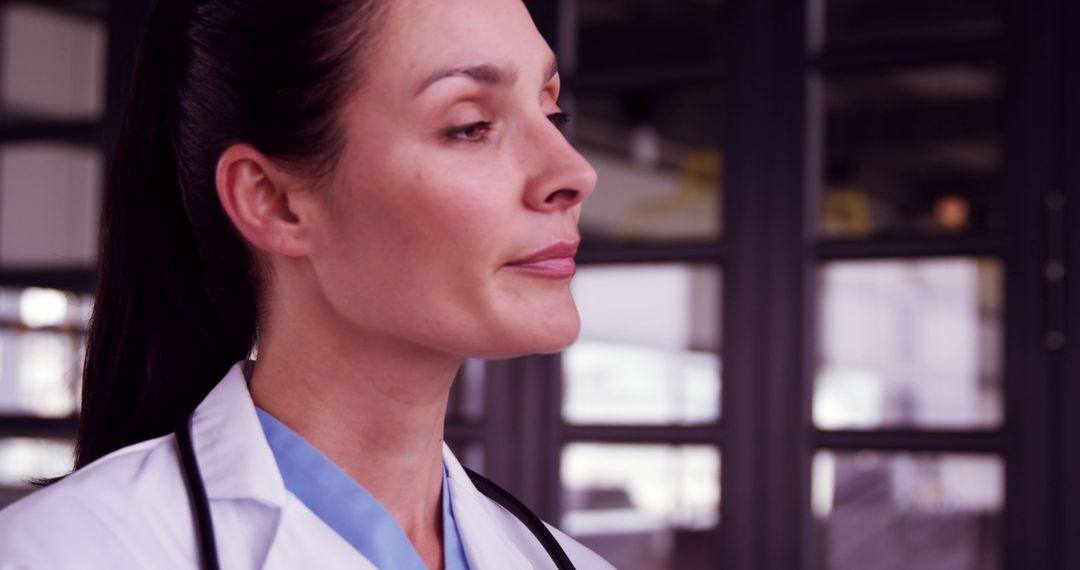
559, 119
472, 132
478, 131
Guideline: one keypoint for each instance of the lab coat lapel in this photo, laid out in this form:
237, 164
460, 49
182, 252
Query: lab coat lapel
242, 481
304, 541
481, 523
257, 519
258, 523
235, 460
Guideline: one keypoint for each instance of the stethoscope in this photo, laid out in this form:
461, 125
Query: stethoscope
204, 526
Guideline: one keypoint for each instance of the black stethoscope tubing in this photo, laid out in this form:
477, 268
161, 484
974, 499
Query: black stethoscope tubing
204, 524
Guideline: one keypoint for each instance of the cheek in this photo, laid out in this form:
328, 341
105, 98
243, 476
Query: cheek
424, 244
462, 220
420, 256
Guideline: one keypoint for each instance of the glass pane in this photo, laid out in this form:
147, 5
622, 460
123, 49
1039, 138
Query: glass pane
39, 372
23, 460
913, 151
52, 63
908, 511
35, 308
637, 33
910, 343
868, 21
659, 160
649, 346
643, 506
42, 343
467, 393
49, 202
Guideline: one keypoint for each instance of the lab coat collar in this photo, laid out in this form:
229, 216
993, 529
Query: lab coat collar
235, 460
237, 463
480, 525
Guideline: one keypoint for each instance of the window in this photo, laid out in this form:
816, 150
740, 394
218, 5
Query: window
908, 317
53, 87
817, 288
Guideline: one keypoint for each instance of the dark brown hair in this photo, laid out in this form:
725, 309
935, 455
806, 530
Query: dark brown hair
176, 302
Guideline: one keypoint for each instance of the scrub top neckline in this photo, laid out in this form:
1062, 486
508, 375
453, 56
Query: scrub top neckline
348, 508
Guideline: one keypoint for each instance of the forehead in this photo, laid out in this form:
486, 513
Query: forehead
424, 35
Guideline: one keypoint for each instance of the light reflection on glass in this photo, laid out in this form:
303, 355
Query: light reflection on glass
23, 460
642, 506
911, 343
908, 510
42, 345
43, 307
615, 384
648, 346
38, 373
659, 159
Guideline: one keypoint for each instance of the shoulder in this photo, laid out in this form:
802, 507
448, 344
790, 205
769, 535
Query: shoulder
578, 553
102, 512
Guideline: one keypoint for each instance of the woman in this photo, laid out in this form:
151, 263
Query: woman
371, 190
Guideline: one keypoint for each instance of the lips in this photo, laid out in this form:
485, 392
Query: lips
555, 261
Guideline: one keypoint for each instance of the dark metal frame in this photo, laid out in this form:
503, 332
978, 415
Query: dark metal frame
1068, 449
1033, 174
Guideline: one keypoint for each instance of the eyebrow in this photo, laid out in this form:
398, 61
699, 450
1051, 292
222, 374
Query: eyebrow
484, 73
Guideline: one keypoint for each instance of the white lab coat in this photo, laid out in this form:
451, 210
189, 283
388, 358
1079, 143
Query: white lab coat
130, 509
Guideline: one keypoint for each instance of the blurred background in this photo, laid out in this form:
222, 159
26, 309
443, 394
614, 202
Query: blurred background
827, 322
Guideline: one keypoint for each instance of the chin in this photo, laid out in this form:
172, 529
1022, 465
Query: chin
542, 334
553, 343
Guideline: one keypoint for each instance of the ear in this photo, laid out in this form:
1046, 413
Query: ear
256, 193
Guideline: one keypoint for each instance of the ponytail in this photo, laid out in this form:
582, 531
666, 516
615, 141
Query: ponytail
177, 295
158, 338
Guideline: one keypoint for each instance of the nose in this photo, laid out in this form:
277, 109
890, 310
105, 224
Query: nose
562, 178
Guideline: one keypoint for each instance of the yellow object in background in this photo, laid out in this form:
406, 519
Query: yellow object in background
846, 212
697, 193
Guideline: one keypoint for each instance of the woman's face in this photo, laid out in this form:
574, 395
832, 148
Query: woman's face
452, 218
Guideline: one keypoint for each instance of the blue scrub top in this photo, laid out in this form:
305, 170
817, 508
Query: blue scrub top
348, 508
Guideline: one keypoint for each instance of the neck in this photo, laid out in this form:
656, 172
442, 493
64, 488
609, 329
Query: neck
375, 407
